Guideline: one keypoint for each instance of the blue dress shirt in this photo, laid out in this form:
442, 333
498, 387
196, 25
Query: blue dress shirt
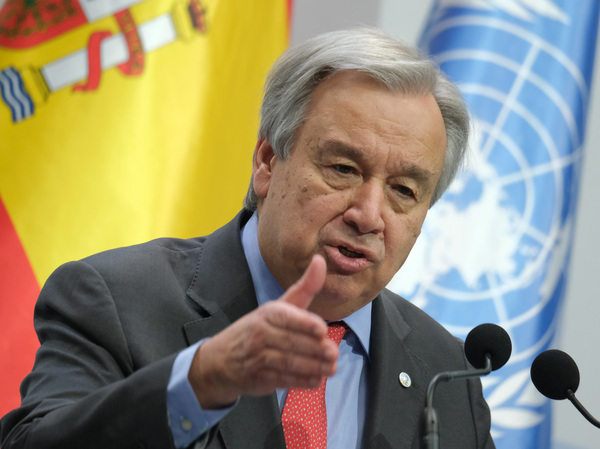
345, 412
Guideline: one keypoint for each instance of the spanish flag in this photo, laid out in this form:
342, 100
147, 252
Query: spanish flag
120, 121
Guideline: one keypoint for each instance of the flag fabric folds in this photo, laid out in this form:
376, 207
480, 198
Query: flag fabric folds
121, 121
496, 247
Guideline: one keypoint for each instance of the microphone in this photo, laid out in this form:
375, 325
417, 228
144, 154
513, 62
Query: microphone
488, 340
487, 348
555, 374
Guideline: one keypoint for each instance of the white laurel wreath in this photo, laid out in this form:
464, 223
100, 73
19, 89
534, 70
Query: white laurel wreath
506, 417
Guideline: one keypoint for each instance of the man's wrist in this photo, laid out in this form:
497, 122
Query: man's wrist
207, 386
188, 421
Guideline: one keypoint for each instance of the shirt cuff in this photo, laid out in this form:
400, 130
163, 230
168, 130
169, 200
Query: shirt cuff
187, 420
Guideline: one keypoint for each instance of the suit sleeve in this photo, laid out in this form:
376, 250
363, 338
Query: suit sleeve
84, 390
481, 415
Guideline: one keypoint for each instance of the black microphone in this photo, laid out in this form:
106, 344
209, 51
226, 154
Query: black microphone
555, 374
487, 348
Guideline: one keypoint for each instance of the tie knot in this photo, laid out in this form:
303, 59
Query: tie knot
336, 331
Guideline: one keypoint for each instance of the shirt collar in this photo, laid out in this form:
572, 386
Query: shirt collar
267, 288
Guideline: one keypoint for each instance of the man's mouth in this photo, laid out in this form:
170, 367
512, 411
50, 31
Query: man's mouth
347, 261
349, 253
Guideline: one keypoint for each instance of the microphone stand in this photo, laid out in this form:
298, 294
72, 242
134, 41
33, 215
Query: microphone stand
571, 397
431, 439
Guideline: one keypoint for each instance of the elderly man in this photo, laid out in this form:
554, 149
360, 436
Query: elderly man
276, 330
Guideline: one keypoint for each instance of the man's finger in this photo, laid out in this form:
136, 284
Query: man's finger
304, 290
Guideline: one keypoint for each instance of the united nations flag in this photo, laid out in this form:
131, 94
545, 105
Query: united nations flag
496, 247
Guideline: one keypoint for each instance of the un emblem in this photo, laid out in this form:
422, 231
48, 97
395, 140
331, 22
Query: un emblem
496, 246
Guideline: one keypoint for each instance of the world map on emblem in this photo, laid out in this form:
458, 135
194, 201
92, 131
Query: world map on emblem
495, 248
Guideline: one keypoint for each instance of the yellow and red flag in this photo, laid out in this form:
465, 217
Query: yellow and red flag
120, 122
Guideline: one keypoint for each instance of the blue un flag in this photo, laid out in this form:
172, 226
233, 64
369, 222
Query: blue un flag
496, 247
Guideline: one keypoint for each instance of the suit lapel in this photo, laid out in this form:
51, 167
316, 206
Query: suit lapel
222, 291
393, 416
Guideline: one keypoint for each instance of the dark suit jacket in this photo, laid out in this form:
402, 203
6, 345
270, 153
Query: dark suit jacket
111, 326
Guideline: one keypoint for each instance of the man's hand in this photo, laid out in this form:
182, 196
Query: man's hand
278, 345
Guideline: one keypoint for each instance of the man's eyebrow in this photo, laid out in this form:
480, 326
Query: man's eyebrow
418, 173
341, 149
410, 170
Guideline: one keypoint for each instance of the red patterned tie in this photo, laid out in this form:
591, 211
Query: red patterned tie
304, 416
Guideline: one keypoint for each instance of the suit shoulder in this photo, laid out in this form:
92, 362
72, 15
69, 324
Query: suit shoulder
145, 264
147, 254
157, 246
421, 324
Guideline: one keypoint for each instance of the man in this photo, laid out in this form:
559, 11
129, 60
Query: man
202, 342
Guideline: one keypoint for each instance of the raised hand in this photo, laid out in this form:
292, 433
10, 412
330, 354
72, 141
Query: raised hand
279, 345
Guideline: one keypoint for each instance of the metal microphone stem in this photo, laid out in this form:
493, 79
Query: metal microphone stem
431, 439
581, 408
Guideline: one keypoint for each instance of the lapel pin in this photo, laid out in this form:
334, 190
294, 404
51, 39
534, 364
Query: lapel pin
404, 379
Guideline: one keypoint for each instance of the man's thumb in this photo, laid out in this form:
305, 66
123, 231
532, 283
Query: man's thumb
302, 292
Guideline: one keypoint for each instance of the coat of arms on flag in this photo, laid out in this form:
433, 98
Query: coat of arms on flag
121, 121
25, 25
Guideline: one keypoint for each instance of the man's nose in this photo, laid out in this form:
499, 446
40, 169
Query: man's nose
365, 208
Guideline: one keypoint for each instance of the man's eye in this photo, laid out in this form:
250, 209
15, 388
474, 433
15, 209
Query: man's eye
406, 191
344, 169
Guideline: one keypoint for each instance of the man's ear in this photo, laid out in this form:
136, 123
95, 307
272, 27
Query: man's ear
263, 167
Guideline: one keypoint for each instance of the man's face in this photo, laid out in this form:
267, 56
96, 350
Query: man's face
355, 189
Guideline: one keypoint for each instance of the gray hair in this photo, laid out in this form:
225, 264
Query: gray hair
396, 64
